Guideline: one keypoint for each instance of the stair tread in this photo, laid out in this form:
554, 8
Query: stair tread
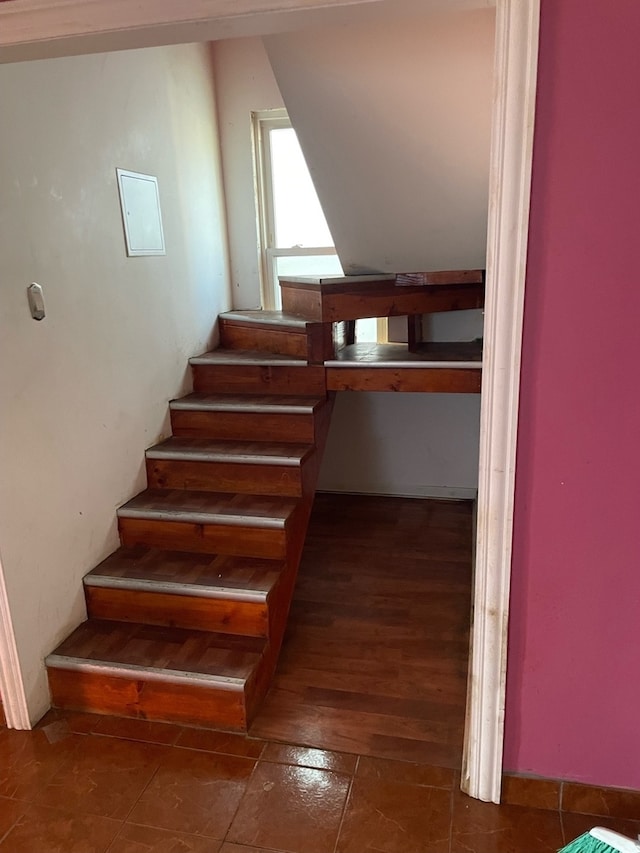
429, 355
187, 573
210, 508
267, 318
264, 403
203, 655
230, 357
220, 450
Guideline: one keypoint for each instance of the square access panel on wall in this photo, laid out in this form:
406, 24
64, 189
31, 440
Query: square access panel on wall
141, 216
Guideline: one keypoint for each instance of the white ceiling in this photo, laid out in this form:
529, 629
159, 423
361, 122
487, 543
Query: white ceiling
37, 29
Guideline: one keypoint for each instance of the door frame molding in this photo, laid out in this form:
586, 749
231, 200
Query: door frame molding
515, 77
11, 684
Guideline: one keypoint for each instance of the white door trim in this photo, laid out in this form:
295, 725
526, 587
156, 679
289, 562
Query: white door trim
516, 62
11, 684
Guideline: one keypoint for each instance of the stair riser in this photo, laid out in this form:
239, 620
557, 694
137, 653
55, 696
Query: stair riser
247, 618
390, 301
315, 344
258, 379
233, 336
149, 700
277, 480
243, 426
345, 307
305, 303
240, 540
444, 380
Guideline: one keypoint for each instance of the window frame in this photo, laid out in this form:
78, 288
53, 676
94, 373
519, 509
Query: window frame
263, 122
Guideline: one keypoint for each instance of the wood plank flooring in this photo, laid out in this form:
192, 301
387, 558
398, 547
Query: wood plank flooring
375, 656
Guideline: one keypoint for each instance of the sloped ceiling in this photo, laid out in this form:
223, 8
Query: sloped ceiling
394, 120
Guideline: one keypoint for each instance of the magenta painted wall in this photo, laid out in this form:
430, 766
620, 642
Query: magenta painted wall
573, 686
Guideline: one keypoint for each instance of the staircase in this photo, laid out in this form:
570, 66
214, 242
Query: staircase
186, 618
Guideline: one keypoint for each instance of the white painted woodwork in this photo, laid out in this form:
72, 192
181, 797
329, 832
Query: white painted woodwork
11, 684
511, 157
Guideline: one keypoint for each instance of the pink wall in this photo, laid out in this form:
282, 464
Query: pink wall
573, 693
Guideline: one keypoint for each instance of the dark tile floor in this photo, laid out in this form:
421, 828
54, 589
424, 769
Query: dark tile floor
86, 784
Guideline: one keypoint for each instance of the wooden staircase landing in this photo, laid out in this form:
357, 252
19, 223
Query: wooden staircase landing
333, 299
186, 619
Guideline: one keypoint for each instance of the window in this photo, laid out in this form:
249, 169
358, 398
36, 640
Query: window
295, 236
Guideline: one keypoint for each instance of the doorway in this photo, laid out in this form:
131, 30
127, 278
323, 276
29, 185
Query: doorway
515, 84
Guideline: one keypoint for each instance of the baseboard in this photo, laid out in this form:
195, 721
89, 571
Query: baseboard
575, 797
456, 493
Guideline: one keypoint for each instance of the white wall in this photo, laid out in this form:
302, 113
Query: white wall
422, 445
83, 392
394, 118
244, 84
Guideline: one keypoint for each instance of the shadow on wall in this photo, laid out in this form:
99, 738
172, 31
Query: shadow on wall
422, 445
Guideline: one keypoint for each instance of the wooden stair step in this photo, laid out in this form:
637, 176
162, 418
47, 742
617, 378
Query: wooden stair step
254, 417
265, 404
246, 358
157, 673
433, 367
266, 319
250, 467
241, 452
276, 332
210, 592
225, 371
209, 522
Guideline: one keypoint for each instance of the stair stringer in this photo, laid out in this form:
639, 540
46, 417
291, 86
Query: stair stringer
283, 593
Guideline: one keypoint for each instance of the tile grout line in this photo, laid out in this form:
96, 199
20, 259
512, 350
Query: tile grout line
256, 762
346, 802
92, 733
174, 746
562, 829
115, 838
139, 797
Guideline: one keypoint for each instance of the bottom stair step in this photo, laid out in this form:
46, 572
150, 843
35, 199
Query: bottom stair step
163, 674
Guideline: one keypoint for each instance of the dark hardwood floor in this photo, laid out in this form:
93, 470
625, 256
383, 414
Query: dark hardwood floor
375, 656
